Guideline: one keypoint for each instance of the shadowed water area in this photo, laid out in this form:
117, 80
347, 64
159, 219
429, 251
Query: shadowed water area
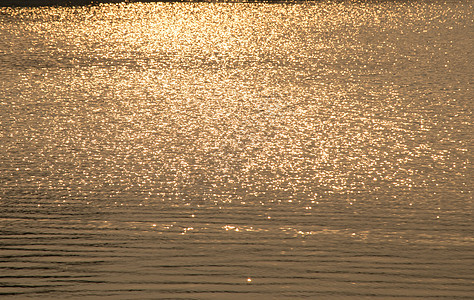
237, 151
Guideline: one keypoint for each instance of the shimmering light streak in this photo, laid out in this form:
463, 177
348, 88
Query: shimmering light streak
157, 149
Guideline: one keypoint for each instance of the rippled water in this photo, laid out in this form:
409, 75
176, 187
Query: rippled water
237, 151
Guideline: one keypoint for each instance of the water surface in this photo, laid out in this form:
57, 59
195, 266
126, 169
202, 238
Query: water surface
237, 151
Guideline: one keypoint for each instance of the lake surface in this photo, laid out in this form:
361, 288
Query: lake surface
237, 151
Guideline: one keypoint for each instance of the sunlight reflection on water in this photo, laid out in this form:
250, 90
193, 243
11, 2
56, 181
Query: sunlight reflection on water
236, 150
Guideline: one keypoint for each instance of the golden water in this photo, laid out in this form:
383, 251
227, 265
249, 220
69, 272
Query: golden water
237, 151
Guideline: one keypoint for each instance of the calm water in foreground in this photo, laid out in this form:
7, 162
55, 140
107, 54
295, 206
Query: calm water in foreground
237, 151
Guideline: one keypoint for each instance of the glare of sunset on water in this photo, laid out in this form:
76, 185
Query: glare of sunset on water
237, 151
